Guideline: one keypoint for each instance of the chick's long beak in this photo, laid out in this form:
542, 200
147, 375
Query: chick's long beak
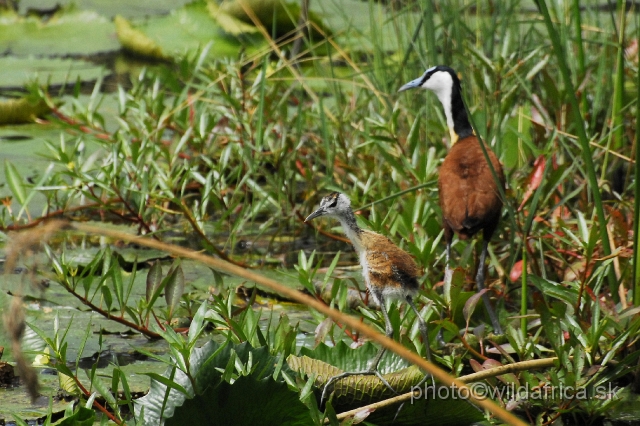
315, 214
411, 85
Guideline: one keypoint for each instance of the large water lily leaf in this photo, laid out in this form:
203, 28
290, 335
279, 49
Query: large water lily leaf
16, 72
160, 403
109, 9
365, 26
16, 401
136, 41
71, 32
357, 391
435, 405
325, 362
349, 20
212, 367
228, 22
183, 31
348, 359
279, 15
248, 401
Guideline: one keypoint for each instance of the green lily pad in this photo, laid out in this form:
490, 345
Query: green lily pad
66, 33
17, 72
17, 401
348, 359
357, 391
109, 9
216, 401
183, 31
365, 26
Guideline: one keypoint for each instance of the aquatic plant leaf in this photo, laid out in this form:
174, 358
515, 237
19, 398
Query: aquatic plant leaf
434, 406
20, 111
348, 359
68, 32
185, 30
228, 22
154, 278
17, 72
160, 402
362, 389
174, 288
470, 305
82, 417
136, 41
270, 403
15, 182
208, 365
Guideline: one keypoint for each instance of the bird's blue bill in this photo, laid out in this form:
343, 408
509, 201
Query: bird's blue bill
411, 85
315, 214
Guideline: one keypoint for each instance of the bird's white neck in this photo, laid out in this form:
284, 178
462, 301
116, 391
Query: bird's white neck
352, 231
448, 90
444, 95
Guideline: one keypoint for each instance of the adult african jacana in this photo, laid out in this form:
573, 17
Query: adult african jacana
469, 195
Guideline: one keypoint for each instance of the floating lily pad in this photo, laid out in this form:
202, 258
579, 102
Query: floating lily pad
357, 391
215, 401
66, 33
365, 26
16, 72
183, 31
111, 8
16, 400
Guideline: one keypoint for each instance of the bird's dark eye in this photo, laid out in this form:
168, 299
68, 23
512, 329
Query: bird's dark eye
333, 202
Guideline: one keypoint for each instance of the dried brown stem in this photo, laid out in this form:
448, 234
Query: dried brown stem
96, 404
107, 315
58, 213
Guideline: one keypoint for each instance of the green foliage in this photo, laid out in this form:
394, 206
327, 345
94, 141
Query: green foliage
82, 417
234, 153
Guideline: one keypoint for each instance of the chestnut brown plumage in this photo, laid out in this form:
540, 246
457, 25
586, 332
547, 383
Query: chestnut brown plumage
388, 271
469, 194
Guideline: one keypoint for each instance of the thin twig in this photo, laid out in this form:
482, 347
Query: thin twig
57, 213
107, 315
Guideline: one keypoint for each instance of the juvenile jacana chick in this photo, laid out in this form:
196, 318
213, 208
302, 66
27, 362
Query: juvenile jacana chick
469, 195
388, 271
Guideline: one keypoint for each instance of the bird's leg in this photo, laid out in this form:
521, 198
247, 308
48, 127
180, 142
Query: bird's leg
448, 275
388, 329
448, 272
373, 367
424, 331
485, 297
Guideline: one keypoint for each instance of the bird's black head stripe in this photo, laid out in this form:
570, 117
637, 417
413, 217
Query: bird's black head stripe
333, 199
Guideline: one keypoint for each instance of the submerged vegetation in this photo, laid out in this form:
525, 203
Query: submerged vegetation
227, 156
